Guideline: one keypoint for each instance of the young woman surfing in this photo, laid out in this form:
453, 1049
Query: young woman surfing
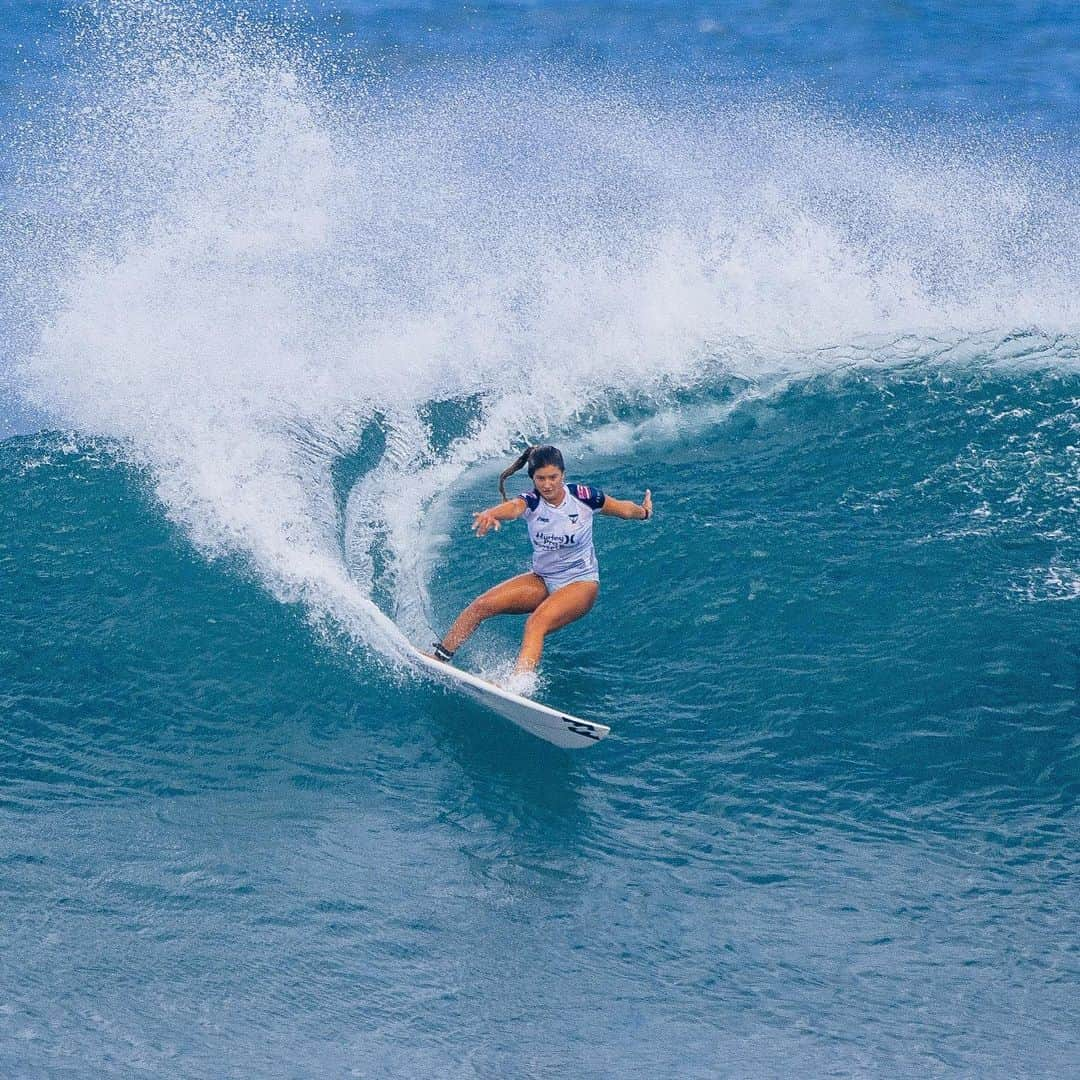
565, 579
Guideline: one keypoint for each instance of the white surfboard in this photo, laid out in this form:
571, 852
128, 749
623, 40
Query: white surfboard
549, 724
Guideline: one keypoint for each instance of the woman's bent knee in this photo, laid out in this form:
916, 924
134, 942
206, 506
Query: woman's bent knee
481, 609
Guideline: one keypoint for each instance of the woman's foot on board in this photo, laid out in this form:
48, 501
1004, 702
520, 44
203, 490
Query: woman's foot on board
522, 683
439, 653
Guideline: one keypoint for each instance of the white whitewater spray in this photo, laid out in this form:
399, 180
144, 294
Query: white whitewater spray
234, 267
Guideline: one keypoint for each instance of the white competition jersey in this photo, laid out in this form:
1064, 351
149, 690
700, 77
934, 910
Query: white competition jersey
562, 535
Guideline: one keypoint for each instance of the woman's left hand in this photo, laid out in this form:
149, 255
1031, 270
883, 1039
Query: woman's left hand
647, 503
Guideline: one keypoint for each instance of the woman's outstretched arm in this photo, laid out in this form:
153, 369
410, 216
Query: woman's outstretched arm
494, 516
624, 508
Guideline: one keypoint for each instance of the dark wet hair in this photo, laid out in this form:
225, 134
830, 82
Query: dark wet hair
537, 457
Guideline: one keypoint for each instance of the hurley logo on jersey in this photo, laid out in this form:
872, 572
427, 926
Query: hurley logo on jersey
554, 540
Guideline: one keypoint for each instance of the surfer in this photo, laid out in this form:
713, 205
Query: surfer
565, 578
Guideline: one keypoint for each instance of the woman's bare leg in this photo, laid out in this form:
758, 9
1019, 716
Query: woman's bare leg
562, 607
518, 596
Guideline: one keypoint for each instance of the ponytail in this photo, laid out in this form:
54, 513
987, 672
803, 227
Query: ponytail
537, 457
507, 473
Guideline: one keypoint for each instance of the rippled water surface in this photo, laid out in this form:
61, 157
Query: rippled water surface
282, 295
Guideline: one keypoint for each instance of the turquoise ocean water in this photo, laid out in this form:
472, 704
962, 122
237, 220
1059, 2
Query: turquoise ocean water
284, 288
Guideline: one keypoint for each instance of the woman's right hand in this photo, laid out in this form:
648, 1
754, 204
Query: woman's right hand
485, 520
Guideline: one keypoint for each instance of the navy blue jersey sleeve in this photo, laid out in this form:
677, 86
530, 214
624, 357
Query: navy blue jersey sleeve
532, 499
592, 497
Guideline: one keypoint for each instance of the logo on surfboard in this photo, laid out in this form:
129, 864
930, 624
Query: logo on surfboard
581, 727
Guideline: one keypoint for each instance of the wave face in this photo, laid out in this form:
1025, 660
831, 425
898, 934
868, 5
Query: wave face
291, 323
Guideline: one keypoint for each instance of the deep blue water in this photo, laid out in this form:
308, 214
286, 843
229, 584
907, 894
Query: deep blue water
283, 292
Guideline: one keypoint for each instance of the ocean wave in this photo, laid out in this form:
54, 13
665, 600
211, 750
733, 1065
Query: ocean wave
238, 268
